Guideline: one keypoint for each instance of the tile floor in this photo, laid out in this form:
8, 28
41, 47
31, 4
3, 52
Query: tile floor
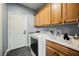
23, 51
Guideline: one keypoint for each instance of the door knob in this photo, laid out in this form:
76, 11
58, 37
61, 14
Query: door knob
24, 32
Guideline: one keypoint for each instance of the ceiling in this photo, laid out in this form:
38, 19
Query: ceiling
34, 6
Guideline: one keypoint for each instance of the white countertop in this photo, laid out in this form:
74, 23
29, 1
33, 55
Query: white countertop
38, 35
72, 43
69, 44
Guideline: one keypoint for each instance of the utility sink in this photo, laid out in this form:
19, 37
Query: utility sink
71, 42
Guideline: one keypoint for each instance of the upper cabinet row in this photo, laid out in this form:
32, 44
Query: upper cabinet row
57, 13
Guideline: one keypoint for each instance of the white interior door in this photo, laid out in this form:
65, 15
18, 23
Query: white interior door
17, 27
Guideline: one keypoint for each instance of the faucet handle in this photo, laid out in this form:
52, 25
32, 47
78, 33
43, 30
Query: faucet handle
76, 35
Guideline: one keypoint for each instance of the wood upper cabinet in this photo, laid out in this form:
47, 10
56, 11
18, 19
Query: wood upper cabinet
64, 12
41, 14
71, 12
37, 19
43, 19
47, 14
78, 10
56, 13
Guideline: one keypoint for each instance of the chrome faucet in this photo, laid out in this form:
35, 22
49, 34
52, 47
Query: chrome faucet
57, 34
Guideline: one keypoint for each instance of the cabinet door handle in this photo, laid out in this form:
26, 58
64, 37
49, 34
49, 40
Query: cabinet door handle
59, 21
56, 53
64, 21
77, 19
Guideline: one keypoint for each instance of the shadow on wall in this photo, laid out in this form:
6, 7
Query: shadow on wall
71, 29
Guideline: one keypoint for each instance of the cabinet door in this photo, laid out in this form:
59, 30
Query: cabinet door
52, 52
41, 17
78, 10
63, 12
72, 12
56, 10
47, 14
36, 22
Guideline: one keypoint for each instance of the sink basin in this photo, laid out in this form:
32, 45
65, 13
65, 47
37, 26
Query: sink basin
61, 39
57, 37
70, 42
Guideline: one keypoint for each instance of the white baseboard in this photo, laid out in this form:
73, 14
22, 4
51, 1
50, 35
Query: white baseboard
6, 52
